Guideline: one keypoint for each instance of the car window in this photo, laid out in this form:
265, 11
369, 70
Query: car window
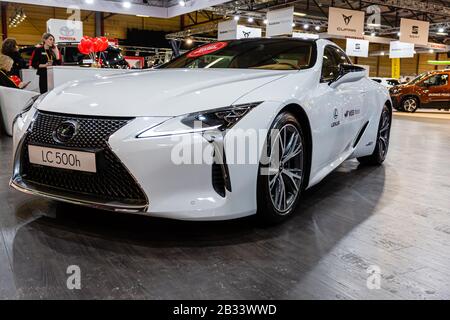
330, 67
393, 82
276, 54
340, 55
437, 80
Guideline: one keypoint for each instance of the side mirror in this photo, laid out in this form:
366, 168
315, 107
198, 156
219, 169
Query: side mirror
348, 73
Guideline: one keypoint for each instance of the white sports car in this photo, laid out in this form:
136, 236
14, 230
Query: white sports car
227, 130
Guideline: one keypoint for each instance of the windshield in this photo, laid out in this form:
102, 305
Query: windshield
274, 54
418, 78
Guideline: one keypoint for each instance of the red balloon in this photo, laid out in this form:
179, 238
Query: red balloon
82, 49
97, 44
87, 45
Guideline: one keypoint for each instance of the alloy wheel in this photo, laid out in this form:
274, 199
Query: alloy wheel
286, 168
410, 105
385, 126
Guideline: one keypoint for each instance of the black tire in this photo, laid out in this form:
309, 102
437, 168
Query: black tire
268, 213
382, 144
410, 104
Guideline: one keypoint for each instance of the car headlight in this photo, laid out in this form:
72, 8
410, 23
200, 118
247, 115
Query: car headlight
395, 90
32, 102
216, 119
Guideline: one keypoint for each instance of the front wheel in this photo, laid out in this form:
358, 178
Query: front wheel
281, 179
384, 132
410, 104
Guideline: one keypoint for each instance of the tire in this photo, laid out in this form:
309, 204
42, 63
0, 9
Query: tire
383, 135
410, 104
285, 170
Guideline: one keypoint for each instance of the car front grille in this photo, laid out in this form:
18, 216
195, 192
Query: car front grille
111, 183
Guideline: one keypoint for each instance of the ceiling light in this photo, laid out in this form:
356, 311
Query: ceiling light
189, 41
305, 26
299, 14
373, 34
236, 18
89, 1
441, 30
265, 21
250, 19
374, 25
126, 4
399, 34
382, 53
182, 3
293, 24
317, 28
431, 51
442, 33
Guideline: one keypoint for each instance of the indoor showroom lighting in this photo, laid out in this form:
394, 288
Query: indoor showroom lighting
189, 41
293, 24
299, 14
373, 34
317, 28
431, 51
305, 26
236, 18
18, 18
399, 34
126, 4
382, 53
250, 19
265, 21
89, 1
441, 30
182, 3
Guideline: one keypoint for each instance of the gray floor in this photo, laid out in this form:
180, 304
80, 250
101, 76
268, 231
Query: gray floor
395, 218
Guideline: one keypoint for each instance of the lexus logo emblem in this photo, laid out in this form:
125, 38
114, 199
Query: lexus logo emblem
347, 19
65, 131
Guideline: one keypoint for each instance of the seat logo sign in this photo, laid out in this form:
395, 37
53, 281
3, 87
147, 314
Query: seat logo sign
65, 131
415, 29
347, 19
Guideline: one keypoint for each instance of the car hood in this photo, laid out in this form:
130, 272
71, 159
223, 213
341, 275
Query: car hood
165, 92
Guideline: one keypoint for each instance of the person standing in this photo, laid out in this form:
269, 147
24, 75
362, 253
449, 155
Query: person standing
10, 49
45, 56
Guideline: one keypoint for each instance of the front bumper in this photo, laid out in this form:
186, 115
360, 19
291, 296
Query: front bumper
173, 190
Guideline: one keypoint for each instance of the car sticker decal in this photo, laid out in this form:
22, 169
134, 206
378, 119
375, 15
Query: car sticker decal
207, 49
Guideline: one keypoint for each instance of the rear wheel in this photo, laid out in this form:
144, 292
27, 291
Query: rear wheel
410, 104
384, 131
281, 180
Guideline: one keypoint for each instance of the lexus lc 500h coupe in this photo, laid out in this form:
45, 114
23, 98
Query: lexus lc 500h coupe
269, 118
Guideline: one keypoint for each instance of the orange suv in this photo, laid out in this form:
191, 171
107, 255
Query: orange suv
428, 90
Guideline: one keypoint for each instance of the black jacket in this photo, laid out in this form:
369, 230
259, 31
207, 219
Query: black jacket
5, 81
41, 56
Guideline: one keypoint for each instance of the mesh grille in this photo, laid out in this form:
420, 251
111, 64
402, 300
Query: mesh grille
111, 182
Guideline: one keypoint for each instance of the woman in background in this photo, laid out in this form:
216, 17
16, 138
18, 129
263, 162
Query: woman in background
45, 56
10, 49
6, 64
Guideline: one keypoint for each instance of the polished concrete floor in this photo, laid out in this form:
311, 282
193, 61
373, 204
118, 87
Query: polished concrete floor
393, 220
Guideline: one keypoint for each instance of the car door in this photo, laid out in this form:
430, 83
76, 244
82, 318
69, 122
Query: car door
354, 109
437, 90
329, 105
